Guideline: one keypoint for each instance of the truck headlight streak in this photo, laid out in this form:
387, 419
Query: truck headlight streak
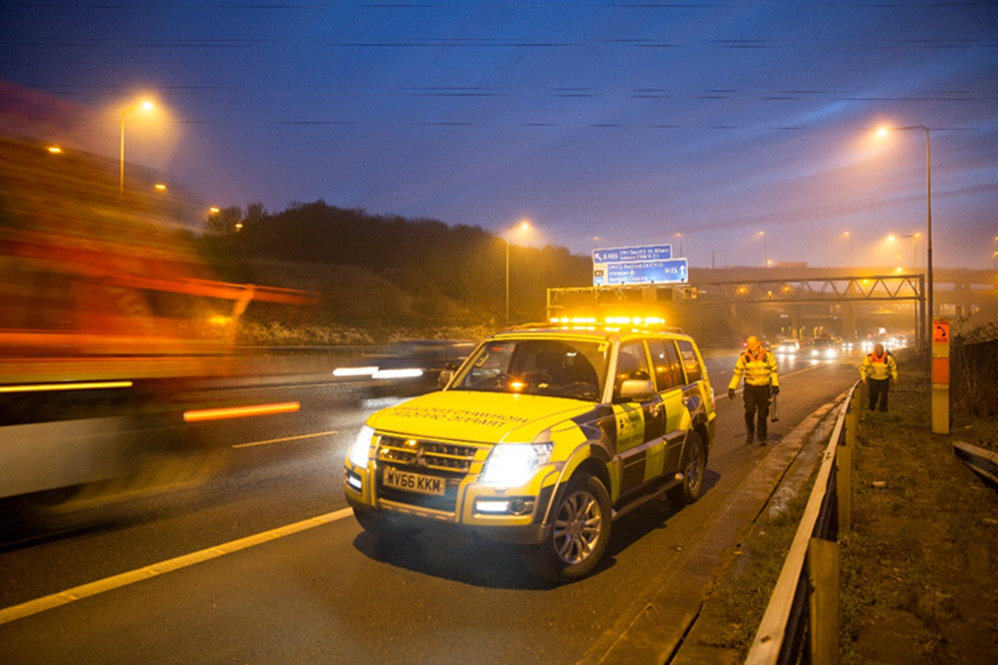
398, 373
354, 371
512, 465
361, 446
202, 415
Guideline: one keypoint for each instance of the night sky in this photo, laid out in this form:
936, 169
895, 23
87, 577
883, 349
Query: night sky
748, 128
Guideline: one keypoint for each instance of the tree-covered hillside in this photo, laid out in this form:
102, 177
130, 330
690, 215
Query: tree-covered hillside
377, 272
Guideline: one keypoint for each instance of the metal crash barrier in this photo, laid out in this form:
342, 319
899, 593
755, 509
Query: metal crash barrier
801, 620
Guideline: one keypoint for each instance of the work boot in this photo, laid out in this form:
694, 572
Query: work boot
748, 439
762, 442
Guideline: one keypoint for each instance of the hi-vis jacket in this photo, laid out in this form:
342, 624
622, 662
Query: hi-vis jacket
879, 368
758, 368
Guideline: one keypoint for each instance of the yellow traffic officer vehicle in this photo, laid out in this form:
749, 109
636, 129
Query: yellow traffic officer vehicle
544, 436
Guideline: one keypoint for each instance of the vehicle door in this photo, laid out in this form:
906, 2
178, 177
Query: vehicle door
640, 419
670, 383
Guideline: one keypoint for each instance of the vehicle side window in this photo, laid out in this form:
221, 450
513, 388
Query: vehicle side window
668, 370
691, 363
632, 363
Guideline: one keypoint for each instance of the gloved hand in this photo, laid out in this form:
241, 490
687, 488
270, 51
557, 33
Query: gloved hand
731, 393
775, 391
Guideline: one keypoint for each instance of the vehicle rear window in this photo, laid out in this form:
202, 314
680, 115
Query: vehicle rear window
668, 369
691, 362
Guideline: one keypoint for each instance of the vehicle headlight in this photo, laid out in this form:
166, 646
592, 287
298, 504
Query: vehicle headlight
513, 464
362, 444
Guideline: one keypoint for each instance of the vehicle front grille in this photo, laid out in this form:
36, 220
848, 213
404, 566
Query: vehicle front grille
449, 461
426, 455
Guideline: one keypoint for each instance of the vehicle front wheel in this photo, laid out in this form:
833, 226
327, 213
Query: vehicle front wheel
694, 469
580, 532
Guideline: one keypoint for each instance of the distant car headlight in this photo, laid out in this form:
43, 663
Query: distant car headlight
361, 446
513, 464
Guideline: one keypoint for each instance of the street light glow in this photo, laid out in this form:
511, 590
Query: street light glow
848, 235
522, 224
145, 106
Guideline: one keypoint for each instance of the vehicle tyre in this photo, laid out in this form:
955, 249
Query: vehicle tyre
693, 470
579, 534
385, 526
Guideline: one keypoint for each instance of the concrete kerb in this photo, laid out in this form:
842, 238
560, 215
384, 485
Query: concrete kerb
668, 626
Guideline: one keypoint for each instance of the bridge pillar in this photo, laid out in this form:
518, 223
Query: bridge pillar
849, 322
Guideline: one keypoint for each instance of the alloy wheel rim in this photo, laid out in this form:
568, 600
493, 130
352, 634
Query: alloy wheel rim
577, 527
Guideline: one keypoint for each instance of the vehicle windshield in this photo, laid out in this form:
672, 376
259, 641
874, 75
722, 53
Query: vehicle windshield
555, 368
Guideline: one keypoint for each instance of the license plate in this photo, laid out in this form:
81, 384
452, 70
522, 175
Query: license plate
413, 482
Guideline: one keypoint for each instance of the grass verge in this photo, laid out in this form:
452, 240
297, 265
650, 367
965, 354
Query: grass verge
918, 570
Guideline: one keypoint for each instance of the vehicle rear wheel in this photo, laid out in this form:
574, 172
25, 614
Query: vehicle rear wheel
694, 469
579, 534
385, 526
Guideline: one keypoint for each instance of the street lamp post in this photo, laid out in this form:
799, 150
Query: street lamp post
680, 236
144, 106
521, 225
914, 242
160, 187
849, 235
765, 250
928, 225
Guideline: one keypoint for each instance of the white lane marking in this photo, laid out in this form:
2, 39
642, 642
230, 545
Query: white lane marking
800, 371
287, 438
131, 577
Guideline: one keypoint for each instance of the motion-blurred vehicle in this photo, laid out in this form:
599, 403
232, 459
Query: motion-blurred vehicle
109, 321
825, 348
788, 347
543, 437
405, 367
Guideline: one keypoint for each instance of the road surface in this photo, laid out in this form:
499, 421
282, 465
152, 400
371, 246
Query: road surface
263, 563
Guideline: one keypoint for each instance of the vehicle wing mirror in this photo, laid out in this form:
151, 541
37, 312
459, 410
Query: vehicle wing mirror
636, 389
445, 375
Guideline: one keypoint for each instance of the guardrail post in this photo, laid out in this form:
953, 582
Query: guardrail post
852, 417
823, 620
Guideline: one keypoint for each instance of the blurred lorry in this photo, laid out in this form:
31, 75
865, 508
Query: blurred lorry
108, 320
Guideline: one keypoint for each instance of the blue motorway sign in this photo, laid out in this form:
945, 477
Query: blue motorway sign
624, 254
669, 271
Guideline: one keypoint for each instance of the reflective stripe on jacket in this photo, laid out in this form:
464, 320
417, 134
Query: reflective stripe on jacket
879, 367
759, 370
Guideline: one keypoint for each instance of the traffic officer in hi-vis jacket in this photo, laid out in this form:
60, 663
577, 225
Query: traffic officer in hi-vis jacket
877, 372
758, 366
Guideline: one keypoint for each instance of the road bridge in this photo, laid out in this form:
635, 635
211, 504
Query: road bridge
795, 301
